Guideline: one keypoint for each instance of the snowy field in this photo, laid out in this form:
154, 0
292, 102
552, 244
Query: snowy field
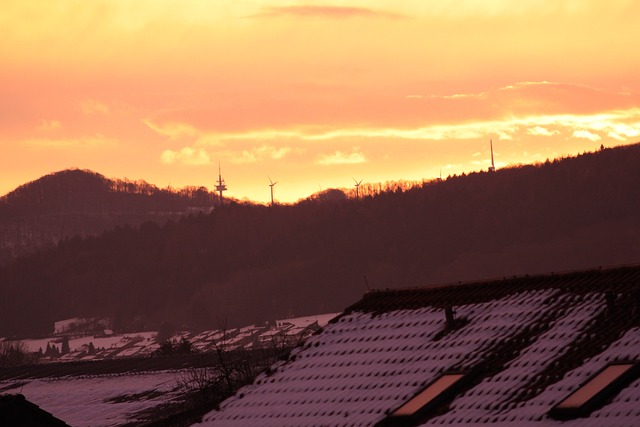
97, 401
116, 399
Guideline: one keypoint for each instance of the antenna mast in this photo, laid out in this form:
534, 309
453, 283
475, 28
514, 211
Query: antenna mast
221, 186
273, 184
493, 166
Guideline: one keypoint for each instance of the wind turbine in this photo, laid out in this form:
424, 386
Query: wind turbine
357, 187
273, 184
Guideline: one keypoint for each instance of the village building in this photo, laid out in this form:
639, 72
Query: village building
547, 350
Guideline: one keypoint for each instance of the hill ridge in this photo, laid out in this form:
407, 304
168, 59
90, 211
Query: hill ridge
250, 263
79, 202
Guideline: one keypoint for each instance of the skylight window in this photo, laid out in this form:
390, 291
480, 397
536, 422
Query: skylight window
438, 392
596, 390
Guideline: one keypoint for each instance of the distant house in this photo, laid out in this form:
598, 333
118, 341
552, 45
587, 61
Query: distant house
81, 326
16, 411
549, 350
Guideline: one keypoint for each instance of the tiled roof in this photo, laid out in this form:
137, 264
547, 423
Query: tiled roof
525, 344
621, 279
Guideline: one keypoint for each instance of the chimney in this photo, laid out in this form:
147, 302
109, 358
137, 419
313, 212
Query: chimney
610, 298
450, 317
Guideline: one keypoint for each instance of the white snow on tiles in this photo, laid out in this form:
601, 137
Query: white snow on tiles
364, 365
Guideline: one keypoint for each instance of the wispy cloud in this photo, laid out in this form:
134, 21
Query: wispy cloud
342, 158
480, 95
542, 131
186, 156
85, 142
259, 153
331, 12
173, 130
616, 136
48, 125
314, 116
436, 132
628, 130
586, 135
620, 123
93, 107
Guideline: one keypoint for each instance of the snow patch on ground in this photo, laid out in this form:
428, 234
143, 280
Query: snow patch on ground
98, 401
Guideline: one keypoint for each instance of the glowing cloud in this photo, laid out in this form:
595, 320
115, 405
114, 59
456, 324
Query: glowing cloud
87, 142
539, 130
186, 156
48, 125
91, 107
341, 158
339, 12
260, 153
586, 135
172, 129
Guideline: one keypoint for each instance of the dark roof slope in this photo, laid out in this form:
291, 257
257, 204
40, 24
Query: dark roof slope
523, 345
16, 411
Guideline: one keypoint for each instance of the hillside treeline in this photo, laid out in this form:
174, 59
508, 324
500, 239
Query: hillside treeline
243, 264
37, 215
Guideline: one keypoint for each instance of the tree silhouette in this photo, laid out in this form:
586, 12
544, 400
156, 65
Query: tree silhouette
65, 345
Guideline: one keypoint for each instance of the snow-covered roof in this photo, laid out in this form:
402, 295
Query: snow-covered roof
303, 322
524, 345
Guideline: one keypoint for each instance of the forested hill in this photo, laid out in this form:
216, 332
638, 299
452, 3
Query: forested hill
37, 215
243, 264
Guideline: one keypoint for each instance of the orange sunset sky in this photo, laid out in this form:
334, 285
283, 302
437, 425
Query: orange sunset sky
310, 93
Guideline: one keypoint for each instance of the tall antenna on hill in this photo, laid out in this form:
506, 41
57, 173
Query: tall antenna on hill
273, 184
493, 166
221, 186
357, 188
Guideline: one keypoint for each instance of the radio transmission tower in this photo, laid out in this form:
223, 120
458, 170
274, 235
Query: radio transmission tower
221, 185
493, 166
